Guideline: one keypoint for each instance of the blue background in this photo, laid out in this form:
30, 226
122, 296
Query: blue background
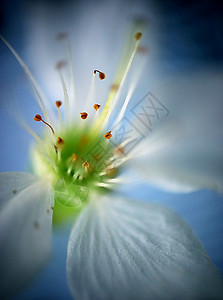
191, 37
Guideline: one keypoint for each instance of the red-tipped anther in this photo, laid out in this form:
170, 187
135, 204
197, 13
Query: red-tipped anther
108, 135
97, 106
100, 74
37, 118
84, 115
58, 103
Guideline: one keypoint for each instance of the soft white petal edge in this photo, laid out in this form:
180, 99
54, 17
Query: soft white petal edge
188, 155
122, 249
180, 168
25, 228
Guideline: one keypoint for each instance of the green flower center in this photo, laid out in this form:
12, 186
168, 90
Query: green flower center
79, 162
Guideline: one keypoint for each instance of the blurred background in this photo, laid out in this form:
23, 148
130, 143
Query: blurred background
185, 38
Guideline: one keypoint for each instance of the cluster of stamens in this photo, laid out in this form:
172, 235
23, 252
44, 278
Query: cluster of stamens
83, 159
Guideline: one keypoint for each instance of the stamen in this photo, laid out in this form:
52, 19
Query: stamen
134, 82
38, 118
84, 115
60, 65
85, 164
58, 105
126, 102
64, 37
138, 36
97, 106
118, 82
100, 74
40, 97
108, 135
91, 92
60, 141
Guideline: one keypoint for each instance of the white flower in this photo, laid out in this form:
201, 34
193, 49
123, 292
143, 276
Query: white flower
118, 248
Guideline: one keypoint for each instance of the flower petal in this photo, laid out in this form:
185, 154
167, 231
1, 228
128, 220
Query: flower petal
178, 165
182, 169
193, 158
25, 228
121, 249
12, 183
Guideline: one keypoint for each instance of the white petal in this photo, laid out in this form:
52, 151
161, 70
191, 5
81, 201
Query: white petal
25, 228
121, 249
12, 183
182, 170
194, 159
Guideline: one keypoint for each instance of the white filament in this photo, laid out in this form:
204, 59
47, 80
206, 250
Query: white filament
38, 92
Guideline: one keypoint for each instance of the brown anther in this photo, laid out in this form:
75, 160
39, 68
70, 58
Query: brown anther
84, 115
108, 135
138, 36
85, 164
61, 64
74, 157
62, 36
58, 103
37, 118
97, 106
111, 172
100, 74
60, 141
